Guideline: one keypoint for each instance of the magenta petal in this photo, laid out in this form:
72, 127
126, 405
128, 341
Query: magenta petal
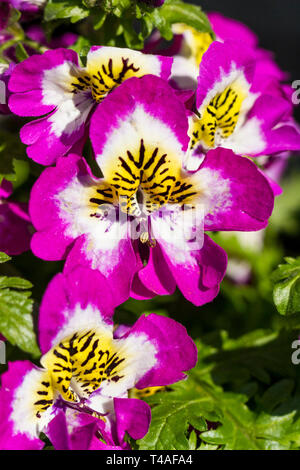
44, 209
121, 272
132, 416
156, 275
249, 200
156, 98
229, 56
81, 436
15, 228
227, 28
58, 433
82, 287
11, 439
6, 189
28, 74
200, 275
139, 291
176, 351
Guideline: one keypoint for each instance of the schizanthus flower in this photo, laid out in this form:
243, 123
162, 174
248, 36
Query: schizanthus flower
53, 84
233, 113
142, 224
80, 392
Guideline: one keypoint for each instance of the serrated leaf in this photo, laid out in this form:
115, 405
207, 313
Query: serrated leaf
173, 413
286, 293
224, 419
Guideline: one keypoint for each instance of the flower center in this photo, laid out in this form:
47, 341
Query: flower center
150, 174
219, 119
79, 363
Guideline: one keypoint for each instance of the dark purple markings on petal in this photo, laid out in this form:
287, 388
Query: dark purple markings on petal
105, 79
107, 199
183, 192
87, 342
125, 68
222, 113
42, 404
81, 83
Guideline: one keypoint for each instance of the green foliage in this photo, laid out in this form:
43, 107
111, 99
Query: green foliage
68, 9
127, 22
287, 287
244, 391
13, 166
16, 312
176, 11
201, 412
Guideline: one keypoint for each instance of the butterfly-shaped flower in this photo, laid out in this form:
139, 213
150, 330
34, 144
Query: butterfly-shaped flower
142, 224
53, 85
79, 395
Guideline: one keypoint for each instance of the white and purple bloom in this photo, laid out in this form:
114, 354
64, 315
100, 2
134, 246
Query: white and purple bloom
189, 46
15, 227
54, 86
80, 392
233, 112
142, 224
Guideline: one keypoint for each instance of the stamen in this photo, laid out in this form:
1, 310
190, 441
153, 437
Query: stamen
144, 237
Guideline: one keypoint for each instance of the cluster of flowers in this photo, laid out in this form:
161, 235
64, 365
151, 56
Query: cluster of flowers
175, 134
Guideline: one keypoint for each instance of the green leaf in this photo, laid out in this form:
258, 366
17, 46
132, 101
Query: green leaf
14, 283
176, 11
82, 47
286, 292
73, 9
13, 159
258, 417
20, 52
173, 413
16, 320
4, 257
99, 20
16, 312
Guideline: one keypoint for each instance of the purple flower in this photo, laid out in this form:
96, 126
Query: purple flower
53, 84
15, 226
142, 224
79, 394
229, 29
234, 112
